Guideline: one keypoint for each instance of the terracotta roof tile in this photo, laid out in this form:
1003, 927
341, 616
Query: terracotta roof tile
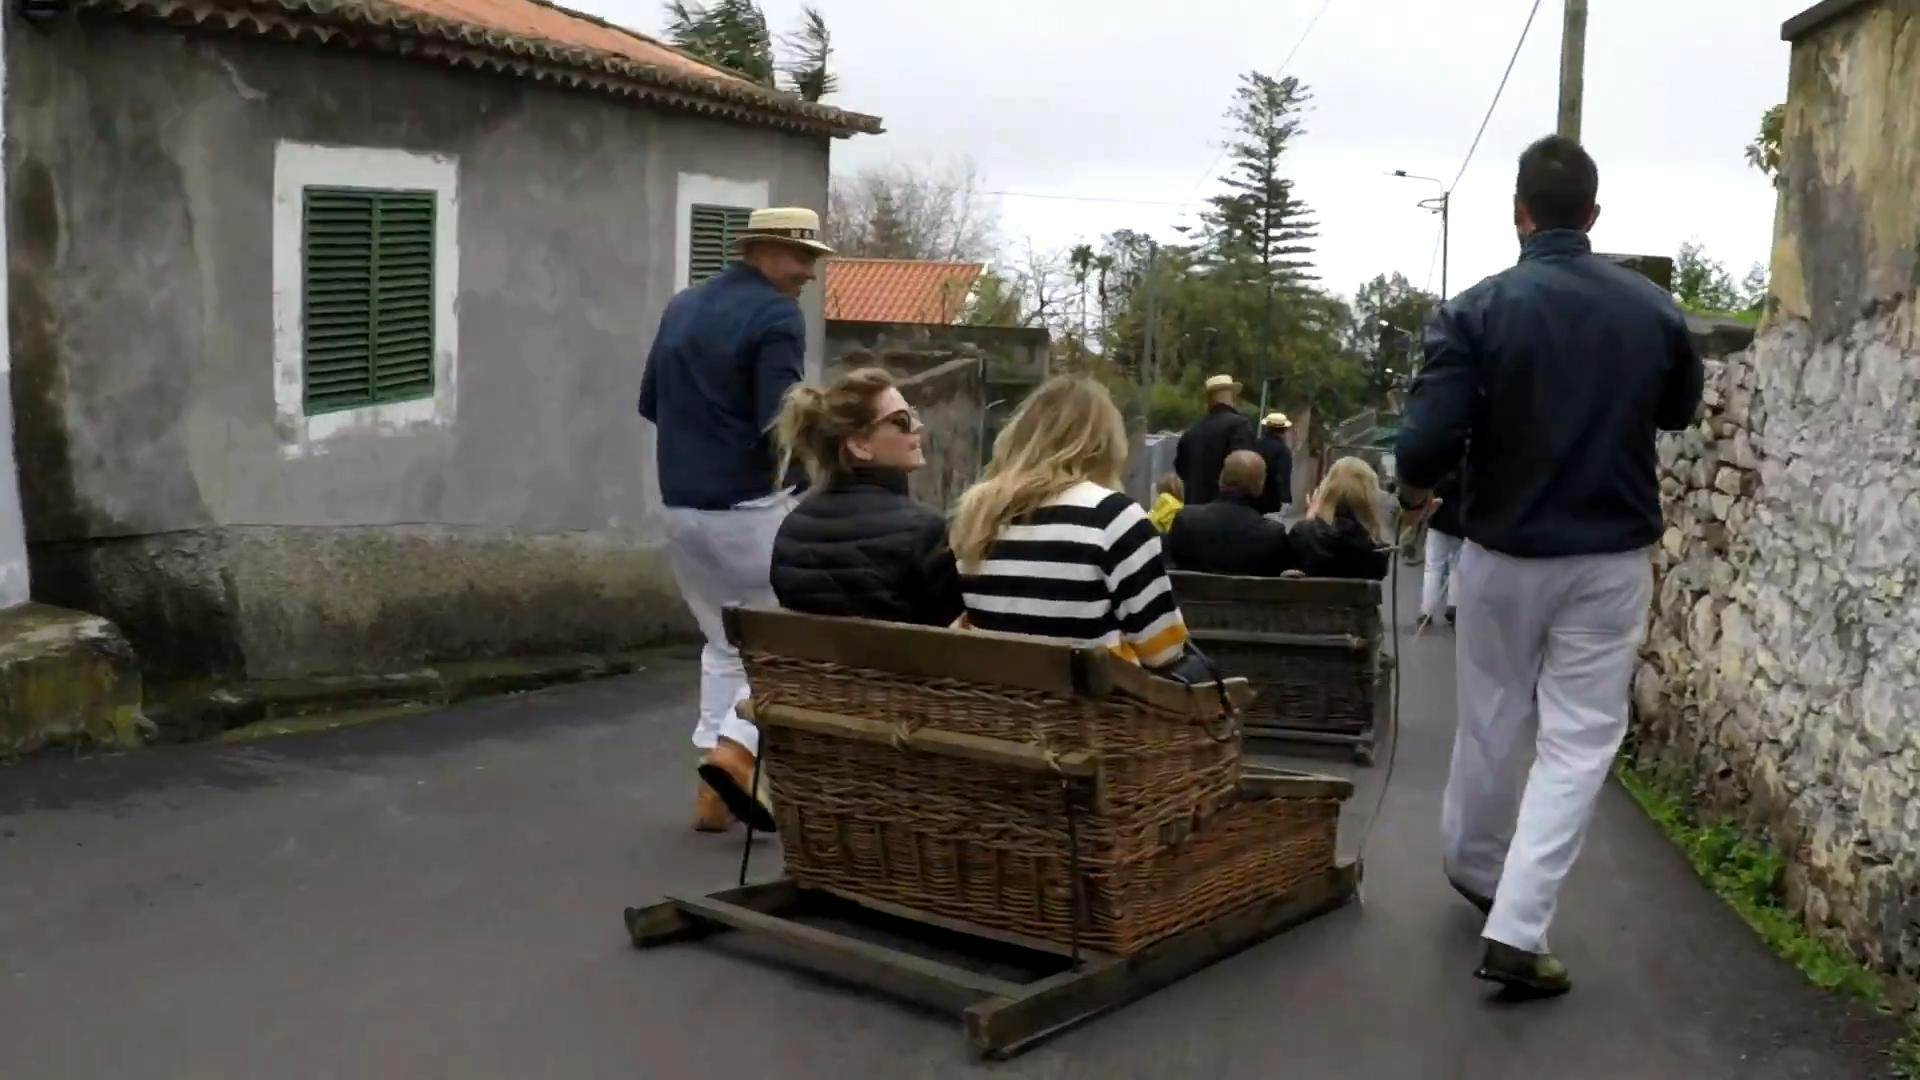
898, 290
529, 38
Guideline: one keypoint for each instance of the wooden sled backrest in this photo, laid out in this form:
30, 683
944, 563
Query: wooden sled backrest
1276, 591
979, 656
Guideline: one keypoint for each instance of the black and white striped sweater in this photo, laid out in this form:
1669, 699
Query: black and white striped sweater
1086, 567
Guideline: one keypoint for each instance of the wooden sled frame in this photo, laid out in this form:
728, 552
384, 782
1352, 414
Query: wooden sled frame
1002, 1017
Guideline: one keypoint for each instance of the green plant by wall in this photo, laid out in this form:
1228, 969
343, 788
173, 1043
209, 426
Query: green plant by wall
1749, 877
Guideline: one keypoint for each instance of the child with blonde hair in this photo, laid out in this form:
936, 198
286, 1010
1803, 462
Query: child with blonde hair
1169, 496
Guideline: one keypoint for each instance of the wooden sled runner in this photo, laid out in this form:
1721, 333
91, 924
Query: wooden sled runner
1018, 802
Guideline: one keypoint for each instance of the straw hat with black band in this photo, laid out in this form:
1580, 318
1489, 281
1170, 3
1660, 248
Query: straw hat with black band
795, 225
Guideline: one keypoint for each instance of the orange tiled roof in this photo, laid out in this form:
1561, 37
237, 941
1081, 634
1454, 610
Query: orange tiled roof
529, 38
899, 290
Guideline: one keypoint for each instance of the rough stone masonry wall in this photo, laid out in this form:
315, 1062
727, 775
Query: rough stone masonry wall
1784, 652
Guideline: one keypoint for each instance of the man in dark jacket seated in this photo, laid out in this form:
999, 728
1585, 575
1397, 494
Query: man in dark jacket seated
1229, 535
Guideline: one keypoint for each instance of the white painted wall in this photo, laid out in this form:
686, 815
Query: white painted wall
298, 166
713, 191
13, 532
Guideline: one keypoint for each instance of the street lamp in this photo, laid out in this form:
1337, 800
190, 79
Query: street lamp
1438, 204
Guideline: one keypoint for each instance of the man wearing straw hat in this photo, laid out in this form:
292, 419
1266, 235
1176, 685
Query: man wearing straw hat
1203, 449
1271, 445
726, 352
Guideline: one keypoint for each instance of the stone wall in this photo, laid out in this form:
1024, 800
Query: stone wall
1784, 652
949, 398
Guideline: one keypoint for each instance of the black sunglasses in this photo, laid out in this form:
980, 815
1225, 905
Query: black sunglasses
906, 421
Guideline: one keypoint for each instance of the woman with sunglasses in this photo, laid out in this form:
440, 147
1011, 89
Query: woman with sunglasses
859, 544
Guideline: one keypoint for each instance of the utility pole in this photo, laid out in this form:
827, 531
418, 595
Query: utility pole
1151, 366
1573, 64
1439, 204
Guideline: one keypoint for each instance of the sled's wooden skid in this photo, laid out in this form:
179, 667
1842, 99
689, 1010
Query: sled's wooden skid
1002, 1017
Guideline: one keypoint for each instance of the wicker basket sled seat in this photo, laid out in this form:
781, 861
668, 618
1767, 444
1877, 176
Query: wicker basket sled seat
1019, 784
1309, 647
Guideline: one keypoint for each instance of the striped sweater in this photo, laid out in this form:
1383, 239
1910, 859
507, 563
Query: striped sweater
1085, 567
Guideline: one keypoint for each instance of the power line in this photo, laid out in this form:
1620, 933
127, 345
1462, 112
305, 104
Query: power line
1496, 97
1083, 198
1222, 152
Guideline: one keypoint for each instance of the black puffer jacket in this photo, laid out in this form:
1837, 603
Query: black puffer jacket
863, 547
1342, 549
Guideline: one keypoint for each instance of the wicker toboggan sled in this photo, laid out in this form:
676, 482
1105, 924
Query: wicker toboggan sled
1025, 794
1309, 647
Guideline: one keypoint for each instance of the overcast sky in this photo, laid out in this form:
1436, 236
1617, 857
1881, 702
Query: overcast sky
1123, 99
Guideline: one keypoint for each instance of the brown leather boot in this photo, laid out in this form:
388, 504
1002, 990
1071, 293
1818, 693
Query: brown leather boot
728, 770
709, 813
1522, 973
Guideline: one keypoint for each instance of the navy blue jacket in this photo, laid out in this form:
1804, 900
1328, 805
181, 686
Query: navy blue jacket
1551, 378
727, 351
1279, 458
1200, 453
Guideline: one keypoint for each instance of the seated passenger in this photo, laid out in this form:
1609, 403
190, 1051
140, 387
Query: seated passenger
859, 544
1049, 546
1343, 533
1169, 496
1230, 535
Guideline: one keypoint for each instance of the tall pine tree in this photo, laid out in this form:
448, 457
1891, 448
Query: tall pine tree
1258, 220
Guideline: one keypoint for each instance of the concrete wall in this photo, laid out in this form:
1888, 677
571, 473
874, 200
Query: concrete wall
949, 398
1784, 656
161, 489
1012, 353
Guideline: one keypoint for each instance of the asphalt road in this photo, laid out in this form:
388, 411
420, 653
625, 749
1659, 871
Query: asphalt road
440, 896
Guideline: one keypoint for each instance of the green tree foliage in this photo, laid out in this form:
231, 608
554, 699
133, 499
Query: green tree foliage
733, 34
1240, 299
1258, 220
1703, 284
1763, 152
1388, 313
810, 47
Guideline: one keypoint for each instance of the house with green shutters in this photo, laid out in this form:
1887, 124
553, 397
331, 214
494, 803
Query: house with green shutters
329, 317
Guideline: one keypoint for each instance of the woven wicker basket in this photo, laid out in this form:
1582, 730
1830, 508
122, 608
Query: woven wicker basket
1310, 647
891, 753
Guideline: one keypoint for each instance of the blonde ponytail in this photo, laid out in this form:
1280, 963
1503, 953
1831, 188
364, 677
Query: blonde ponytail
815, 422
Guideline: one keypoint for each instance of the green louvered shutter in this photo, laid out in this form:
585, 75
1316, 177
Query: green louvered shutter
368, 297
713, 229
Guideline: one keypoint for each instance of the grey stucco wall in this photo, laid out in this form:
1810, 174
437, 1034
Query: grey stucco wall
141, 162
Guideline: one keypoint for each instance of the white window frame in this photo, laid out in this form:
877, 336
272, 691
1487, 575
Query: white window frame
695, 188
297, 167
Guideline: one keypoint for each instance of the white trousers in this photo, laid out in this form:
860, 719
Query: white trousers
1437, 591
1545, 655
722, 557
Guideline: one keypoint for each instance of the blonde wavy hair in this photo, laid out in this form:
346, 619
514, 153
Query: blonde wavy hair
1352, 486
1066, 432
